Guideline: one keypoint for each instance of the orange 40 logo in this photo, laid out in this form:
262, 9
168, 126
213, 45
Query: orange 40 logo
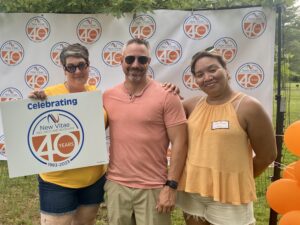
12, 53
56, 147
89, 30
111, 54
36, 76
168, 52
189, 80
196, 27
94, 77
38, 29
55, 138
55, 52
227, 48
142, 27
254, 24
249, 75
10, 94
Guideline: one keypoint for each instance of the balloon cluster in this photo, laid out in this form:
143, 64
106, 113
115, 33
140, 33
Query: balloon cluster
283, 195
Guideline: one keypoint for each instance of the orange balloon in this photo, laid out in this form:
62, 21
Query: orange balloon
289, 171
290, 218
297, 171
291, 138
283, 195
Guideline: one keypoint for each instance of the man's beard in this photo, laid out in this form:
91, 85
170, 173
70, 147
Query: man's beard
136, 75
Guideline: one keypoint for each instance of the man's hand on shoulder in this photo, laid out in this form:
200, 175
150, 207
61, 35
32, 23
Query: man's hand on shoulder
172, 88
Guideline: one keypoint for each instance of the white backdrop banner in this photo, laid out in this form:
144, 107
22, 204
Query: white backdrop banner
30, 45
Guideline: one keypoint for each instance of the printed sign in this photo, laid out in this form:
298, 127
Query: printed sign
196, 27
112, 53
189, 80
55, 134
94, 76
142, 27
55, 52
227, 48
249, 75
36, 77
37, 29
12, 53
30, 47
10, 94
168, 52
254, 24
89, 30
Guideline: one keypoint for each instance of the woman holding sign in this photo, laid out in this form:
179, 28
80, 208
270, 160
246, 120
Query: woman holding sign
71, 196
217, 185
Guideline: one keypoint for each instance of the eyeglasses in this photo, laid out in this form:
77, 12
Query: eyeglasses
141, 59
72, 68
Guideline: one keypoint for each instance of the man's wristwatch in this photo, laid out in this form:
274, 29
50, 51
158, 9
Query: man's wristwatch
172, 184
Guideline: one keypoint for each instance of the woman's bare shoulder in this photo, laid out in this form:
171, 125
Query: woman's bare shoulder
190, 104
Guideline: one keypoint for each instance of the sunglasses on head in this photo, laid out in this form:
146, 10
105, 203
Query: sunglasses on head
141, 59
72, 68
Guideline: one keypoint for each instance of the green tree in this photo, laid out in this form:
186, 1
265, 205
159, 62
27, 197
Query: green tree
291, 41
119, 7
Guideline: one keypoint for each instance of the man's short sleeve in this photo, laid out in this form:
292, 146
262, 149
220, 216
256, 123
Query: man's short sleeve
173, 111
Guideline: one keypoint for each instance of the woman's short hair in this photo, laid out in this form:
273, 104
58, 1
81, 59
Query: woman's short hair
202, 54
74, 50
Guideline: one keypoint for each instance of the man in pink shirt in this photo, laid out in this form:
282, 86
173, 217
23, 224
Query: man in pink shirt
143, 120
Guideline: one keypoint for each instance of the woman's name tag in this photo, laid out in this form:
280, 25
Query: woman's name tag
220, 125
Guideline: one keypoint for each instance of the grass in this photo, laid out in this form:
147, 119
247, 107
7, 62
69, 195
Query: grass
19, 203
18, 199
292, 115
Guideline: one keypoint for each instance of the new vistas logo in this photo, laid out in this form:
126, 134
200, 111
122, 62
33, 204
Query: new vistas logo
89, 30
227, 48
189, 80
94, 77
254, 24
168, 52
55, 138
36, 76
10, 94
12, 53
37, 29
249, 75
112, 53
196, 27
142, 27
55, 52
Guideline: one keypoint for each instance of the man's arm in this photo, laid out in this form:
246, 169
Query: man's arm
178, 137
